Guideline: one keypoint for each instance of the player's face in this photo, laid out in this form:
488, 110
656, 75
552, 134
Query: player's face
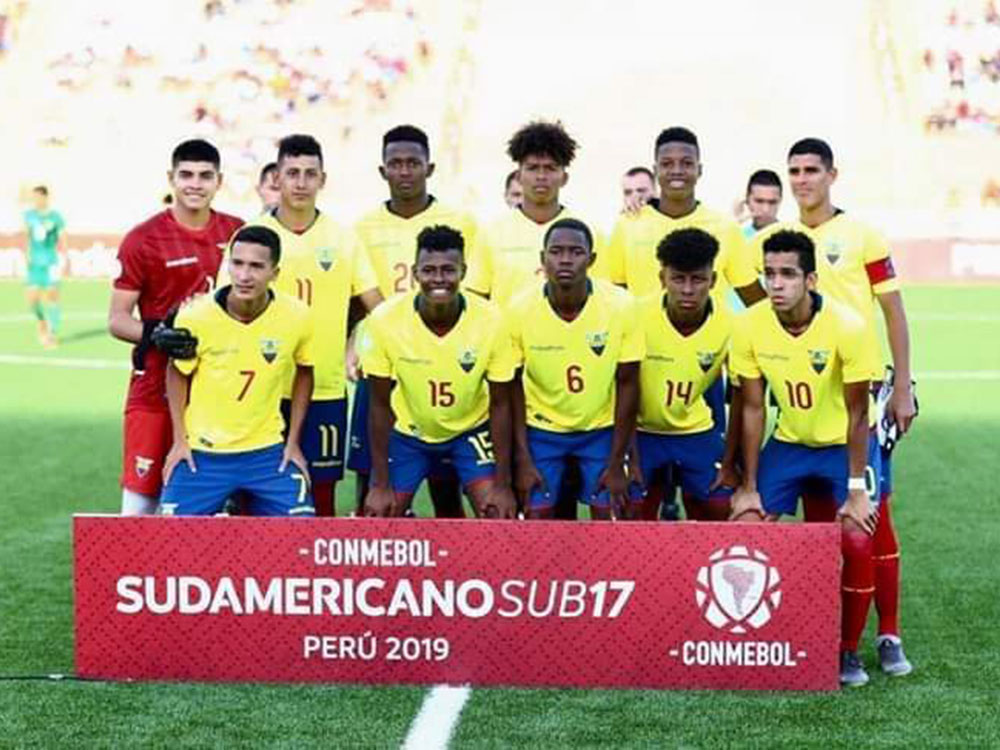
514, 194
541, 178
566, 257
300, 178
195, 184
785, 281
678, 167
810, 180
763, 202
439, 273
251, 270
687, 291
406, 169
638, 185
270, 194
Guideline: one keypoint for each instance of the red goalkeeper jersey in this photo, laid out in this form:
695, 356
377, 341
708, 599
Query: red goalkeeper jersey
167, 263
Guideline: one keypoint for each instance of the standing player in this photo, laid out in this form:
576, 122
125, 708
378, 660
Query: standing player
447, 362
855, 268
324, 266
167, 259
638, 186
763, 200
46, 244
812, 353
225, 401
513, 193
389, 235
505, 259
579, 345
687, 340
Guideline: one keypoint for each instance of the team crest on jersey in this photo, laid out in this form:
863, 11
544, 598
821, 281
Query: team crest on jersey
706, 360
269, 349
818, 359
467, 360
142, 466
324, 257
833, 251
597, 342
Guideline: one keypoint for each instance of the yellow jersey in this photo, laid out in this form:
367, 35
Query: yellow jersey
507, 257
679, 369
631, 257
807, 372
391, 242
324, 267
441, 388
570, 365
239, 371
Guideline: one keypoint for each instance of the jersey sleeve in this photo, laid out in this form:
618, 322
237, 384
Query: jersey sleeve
859, 360
878, 263
304, 351
739, 270
633, 336
502, 362
132, 275
479, 277
372, 350
613, 267
742, 361
363, 274
186, 318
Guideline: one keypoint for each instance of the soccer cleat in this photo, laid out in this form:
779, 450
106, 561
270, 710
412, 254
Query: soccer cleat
852, 671
891, 657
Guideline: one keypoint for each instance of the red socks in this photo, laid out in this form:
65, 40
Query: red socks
886, 557
857, 586
323, 496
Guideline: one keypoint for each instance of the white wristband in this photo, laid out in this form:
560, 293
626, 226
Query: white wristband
857, 483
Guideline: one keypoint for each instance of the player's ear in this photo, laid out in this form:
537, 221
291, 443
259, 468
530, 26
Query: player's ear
430, 168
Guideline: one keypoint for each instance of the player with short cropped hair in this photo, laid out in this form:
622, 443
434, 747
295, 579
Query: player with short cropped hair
447, 362
505, 259
513, 193
164, 261
45, 245
225, 400
763, 199
325, 266
579, 345
638, 186
267, 187
812, 352
687, 342
389, 235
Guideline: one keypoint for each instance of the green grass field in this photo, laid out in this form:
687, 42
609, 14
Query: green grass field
60, 453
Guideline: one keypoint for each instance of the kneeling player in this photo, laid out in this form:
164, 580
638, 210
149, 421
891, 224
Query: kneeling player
687, 341
225, 402
579, 344
452, 366
813, 354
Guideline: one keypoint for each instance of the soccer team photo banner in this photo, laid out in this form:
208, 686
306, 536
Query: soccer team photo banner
630, 605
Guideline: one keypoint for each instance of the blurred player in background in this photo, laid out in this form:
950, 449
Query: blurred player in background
638, 186
455, 344
389, 236
325, 266
578, 344
164, 261
687, 341
763, 200
225, 401
813, 354
855, 268
513, 193
45, 245
267, 187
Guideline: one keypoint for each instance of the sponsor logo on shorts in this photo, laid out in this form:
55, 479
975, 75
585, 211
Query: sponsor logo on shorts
467, 360
597, 341
269, 349
738, 589
818, 359
142, 466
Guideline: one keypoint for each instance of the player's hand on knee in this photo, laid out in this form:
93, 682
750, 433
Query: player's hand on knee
293, 454
380, 503
859, 510
179, 451
746, 506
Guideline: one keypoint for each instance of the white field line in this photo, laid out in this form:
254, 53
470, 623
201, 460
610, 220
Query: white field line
27, 317
434, 723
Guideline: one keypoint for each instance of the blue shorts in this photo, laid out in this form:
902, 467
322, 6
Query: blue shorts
692, 460
411, 460
322, 439
359, 458
549, 451
787, 471
217, 476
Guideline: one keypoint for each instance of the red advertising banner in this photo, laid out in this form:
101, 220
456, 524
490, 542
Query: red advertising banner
654, 605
